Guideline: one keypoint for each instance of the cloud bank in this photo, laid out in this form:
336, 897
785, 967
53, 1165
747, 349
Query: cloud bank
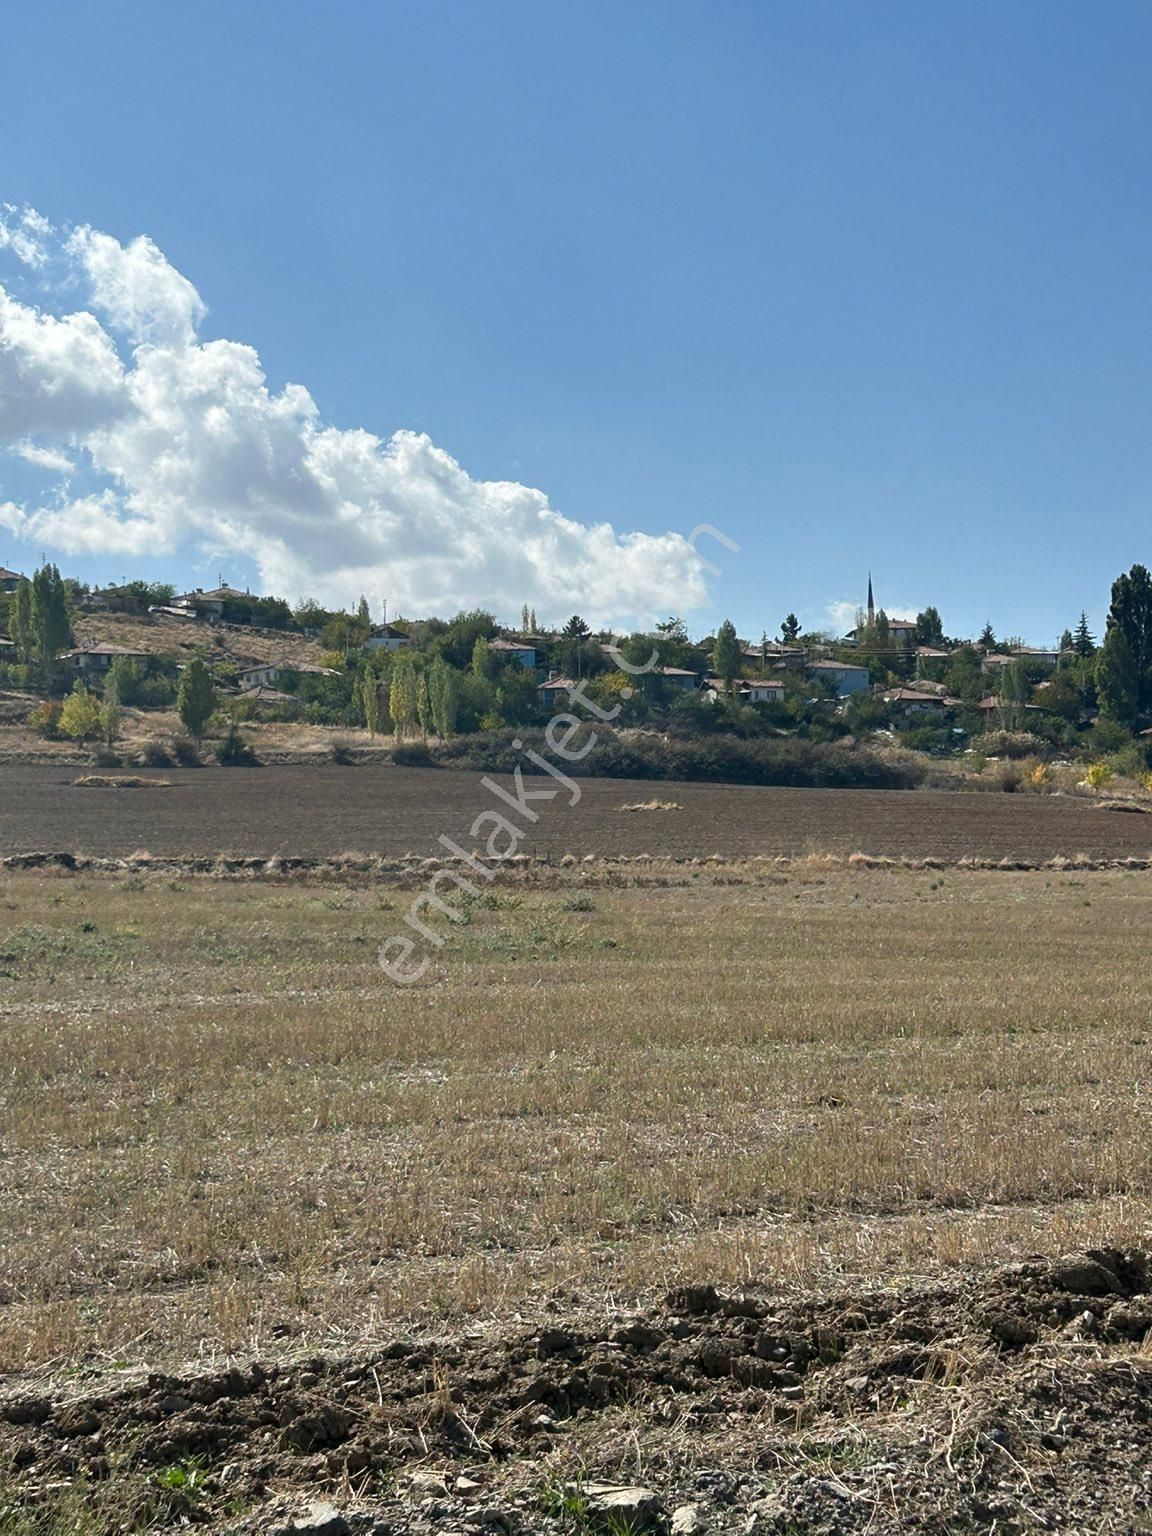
180, 445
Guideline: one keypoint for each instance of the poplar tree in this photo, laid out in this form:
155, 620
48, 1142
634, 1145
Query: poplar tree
196, 699
726, 656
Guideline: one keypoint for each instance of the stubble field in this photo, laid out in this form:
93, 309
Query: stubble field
228, 1137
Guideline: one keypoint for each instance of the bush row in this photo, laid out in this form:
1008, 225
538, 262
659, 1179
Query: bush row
722, 759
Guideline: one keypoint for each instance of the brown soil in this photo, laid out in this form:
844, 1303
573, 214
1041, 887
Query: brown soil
320, 811
1009, 1401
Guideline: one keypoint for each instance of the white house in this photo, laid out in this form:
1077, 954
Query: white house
384, 638
749, 690
845, 677
266, 674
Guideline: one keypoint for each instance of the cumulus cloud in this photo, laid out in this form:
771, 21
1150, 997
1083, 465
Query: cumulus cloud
190, 446
25, 233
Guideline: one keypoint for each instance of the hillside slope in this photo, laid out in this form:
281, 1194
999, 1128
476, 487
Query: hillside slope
162, 636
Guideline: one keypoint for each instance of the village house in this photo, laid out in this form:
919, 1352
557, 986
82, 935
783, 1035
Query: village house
749, 690
775, 655
844, 676
678, 677
917, 701
265, 674
210, 605
270, 698
383, 637
515, 651
9, 579
98, 658
552, 692
1040, 655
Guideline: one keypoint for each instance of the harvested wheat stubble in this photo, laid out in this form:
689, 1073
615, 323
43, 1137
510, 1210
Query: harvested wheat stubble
430, 1228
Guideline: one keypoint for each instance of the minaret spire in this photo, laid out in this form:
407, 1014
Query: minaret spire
871, 604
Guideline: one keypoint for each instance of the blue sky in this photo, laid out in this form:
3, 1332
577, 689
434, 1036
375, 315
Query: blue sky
860, 285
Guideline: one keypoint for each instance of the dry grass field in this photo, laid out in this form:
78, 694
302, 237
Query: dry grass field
223, 1123
228, 1137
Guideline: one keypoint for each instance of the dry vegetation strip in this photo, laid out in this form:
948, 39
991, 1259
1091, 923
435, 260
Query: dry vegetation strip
224, 1127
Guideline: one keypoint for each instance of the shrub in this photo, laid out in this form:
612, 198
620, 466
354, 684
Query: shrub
1097, 775
1013, 744
343, 754
1041, 776
723, 758
1009, 777
153, 755
186, 752
107, 759
45, 720
413, 754
232, 751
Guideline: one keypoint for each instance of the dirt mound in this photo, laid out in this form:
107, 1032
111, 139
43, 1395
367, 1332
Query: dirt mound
1014, 1401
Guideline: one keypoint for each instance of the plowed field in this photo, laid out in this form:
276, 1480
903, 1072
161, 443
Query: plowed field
319, 811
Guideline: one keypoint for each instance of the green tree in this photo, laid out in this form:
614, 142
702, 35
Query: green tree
424, 705
370, 702
726, 655
20, 621
125, 679
1013, 691
80, 714
929, 628
196, 698
444, 697
50, 622
790, 629
402, 696
1125, 675
987, 640
362, 613
1066, 641
110, 712
460, 635
574, 639
1117, 679
524, 618
483, 659
1083, 641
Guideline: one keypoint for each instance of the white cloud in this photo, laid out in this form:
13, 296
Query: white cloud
25, 233
193, 448
45, 458
141, 293
57, 376
843, 614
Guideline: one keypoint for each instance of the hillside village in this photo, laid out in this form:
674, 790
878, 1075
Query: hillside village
74, 660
